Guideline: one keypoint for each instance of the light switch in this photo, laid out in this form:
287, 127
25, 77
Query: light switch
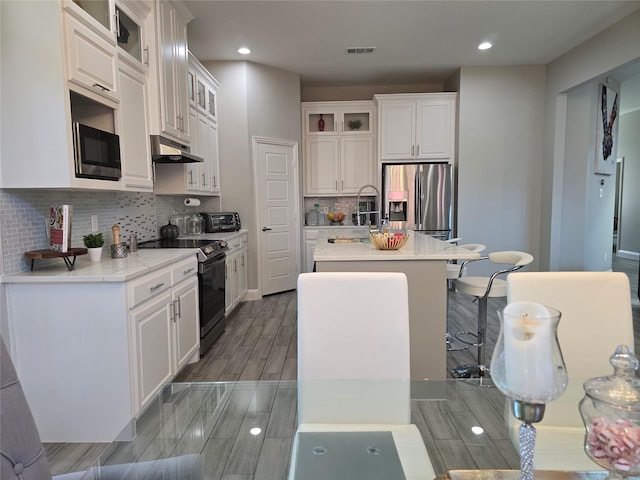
601, 192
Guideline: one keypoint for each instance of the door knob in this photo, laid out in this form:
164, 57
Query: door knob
264, 229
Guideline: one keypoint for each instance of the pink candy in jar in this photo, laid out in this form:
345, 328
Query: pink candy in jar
614, 444
611, 414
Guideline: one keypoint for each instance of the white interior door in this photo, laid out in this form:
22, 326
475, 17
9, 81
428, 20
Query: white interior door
279, 234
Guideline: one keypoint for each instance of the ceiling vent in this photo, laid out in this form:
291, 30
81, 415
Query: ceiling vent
359, 50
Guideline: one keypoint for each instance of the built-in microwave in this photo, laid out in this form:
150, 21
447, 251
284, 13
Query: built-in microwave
96, 152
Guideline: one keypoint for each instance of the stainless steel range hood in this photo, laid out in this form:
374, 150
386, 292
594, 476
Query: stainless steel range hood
164, 150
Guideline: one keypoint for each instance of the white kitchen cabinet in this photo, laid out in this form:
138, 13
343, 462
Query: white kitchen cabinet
416, 127
131, 335
135, 148
236, 272
153, 349
80, 49
196, 178
165, 315
91, 58
310, 237
202, 88
340, 158
170, 103
187, 332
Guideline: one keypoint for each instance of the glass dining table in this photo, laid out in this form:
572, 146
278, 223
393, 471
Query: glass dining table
245, 430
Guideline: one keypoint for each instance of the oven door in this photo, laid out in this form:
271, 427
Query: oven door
211, 288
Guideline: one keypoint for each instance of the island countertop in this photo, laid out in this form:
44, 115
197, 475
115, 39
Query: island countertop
418, 247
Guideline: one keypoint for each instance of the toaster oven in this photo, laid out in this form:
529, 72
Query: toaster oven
221, 222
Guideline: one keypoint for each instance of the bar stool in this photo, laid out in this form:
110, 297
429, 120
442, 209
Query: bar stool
453, 272
482, 288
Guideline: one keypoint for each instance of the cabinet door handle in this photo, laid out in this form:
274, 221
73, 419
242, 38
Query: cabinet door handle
336, 184
156, 286
190, 177
101, 87
187, 272
266, 229
418, 150
176, 308
342, 184
204, 180
215, 183
116, 19
146, 56
412, 147
235, 264
242, 260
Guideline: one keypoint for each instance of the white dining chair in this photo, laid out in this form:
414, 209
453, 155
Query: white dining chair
595, 318
353, 363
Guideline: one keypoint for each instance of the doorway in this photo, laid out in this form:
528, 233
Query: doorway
278, 215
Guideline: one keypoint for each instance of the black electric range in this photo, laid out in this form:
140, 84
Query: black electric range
211, 283
209, 249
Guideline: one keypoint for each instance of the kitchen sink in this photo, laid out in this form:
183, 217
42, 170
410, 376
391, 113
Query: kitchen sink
350, 240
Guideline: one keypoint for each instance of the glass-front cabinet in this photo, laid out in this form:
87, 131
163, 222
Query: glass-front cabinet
202, 92
129, 34
121, 20
338, 147
334, 119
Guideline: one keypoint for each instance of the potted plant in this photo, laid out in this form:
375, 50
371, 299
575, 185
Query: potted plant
94, 243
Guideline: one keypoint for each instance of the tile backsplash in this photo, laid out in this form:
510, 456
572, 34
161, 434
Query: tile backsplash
23, 214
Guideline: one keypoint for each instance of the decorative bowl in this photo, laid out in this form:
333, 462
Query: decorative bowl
335, 217
389, 241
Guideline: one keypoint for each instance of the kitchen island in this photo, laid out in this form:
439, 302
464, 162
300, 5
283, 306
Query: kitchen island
423, 260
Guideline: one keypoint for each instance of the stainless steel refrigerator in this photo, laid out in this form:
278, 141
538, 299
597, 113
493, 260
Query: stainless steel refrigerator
418, 196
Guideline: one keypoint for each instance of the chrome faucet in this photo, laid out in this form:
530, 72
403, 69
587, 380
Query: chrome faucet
358, 212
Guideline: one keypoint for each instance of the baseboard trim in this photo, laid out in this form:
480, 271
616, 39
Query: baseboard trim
252, 295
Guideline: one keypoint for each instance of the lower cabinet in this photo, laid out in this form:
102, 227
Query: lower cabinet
235, 272
310, 237
91, 354
166, 337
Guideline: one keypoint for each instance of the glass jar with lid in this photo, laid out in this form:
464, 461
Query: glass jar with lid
611, 414
194, 224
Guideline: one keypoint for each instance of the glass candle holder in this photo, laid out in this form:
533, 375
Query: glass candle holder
527, 366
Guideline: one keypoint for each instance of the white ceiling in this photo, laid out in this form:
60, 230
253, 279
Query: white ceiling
416, 41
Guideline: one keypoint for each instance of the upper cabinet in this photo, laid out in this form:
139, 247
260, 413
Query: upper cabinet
196, 178
338, 147
72, 56
417, 127
169, 103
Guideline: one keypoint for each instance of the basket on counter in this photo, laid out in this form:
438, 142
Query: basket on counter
389, 241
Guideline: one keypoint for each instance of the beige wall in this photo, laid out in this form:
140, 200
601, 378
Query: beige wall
254, 100
499, 150
589, 63
362, 92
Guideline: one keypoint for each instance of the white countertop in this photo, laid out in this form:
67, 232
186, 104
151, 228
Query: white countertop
110, 269
418, 247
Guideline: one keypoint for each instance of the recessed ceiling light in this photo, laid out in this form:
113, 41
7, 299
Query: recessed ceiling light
485, 46
244, 51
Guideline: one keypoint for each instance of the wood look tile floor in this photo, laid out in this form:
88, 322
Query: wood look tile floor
260, 344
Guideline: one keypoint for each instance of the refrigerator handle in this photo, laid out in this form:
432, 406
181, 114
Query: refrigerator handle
417, 203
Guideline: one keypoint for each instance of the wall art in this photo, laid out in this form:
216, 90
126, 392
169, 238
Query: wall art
607, 131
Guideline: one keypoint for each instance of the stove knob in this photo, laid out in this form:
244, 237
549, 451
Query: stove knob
207, 250
222, 243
